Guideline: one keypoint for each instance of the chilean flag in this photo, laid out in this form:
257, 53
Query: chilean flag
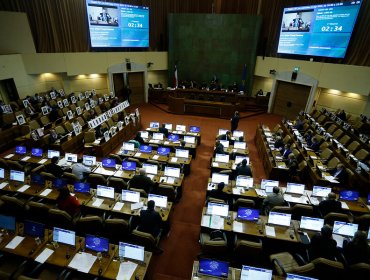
175, 79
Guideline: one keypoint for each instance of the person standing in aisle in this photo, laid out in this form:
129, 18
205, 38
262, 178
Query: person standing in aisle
234, 121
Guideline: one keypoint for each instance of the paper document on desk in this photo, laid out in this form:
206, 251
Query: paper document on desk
45, 254
314, 201
24, 188
98, 202
43, 160
344, 205
155, 157
215, 164
138, 155
174, 159
25, 158
216, 222
9, 156
270, 231
15, 242
238, 190
205, 220
82, 262
339, 239
126, 270
260, 192
330, 178
237, 226
170, 180
46, 192
163, 179
136, 206
3, 185
118, 206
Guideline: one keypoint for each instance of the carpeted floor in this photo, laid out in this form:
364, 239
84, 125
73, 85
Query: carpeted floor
181, 246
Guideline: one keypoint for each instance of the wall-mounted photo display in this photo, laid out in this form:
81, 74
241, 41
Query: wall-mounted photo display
60, 104
53, 95
73, 99
7, 109
61, 92
106, 136
87, 106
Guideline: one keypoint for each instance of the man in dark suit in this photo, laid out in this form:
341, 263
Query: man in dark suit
163, 130
141, 181
219, 148
315, 145
292, 164
243, 169
323, 245
330, 205
340, 174
279, 143
226, 136
54, 168
150, 220
234, 121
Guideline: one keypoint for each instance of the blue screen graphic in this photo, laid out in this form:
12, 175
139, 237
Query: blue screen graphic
36, 178
163, 151
117, 25
97, 244
145, 149
194, 129
82, 187
173, 137
34, 229
59, 183
248, 214
349, 195
213, 268
108, 163
7, 222
129, 165
318, 30
36, 152
20, 150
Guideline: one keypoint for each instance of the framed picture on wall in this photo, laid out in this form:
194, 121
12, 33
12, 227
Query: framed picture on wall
73, 99
60, 104
45, 110
70, 115
65, 102
78, 111
20, 119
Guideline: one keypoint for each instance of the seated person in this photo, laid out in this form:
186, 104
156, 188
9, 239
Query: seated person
163, 130
150, 220
99, 131
279, 143
274, 199
139, 139
358, 249
323, 245
342, 115
220, 192
243, 169
286, 151
80, 170
292, 164
340, 174
308, 137
226, 136
141, 181
331, 204
219, 148
54, 168
67, 202
315, 145
298, 124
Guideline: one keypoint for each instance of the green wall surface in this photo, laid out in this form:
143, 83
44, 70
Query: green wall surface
204, 45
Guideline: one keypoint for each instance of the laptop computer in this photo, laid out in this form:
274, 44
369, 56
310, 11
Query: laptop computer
59, 183
105, 192
279, 219
181, 153
89, 160
342, 231
189, 139
298, 277
244, 181
239, 159
225, 143
144, 134
160, 200
8, 223
268, 183
224, 158
96, 244
218, 178
320, 193
295, 189
34, 229
247, 214
218, 209
150, 168
240, 145
52, 153
349, 195
37, 152
129, 165
310, 223
20, 150
172, 171
180, 127
69, 157
64, 236
154, 124
238, 133
37, 179
16, 176
158, 136
168, 126
173, 137
80, 187
163, 151
145, 149
2, 173
255, 273
213, 268
194, 129
131, 252
127, 146
222, 131
130, 196
108, 163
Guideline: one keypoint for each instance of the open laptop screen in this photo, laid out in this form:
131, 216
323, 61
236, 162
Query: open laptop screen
129, 165
238, 133
255, 273
194, 129
270, 183
321, 191
16, 175
222, 131
218, 178
298, 277
189, 139
131, 251
71, 157
295, 188
172, 171
154, 125
213, 268
59, 183
222, 158
343, 228
7, 223
248, 214
89, 160
182, 153
163, 151
311, 223
34, 229
280, 219
52, 153
240, 145
225, 143
126, 146
20, 150
37, 152
168, 126
218, 209
82, 187
64, 236
349, 195
244, 181
2, 173
108, 163
144, 134
105, 191
158, 136
145, 149
130, 196
150, 168
159, 200
173, 137
97, 244
36, 178
180, 127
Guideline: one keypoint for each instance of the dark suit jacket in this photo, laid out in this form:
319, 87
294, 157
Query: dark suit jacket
315, 146
224, 137
327, 206
142, 182
150, 222
54, 169
342, 177
234, 122
243, 170
322, 247
278, 144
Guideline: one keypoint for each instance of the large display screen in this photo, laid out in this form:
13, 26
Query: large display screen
117, 25
318, 30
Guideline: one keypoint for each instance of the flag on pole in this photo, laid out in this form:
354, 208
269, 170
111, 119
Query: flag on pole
244, 77
175, 78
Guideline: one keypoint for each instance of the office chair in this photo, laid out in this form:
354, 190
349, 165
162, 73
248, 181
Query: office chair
286, 263
243, 202
15, 165
44, 120
146, 240
115, 118
287, 139
117, 183
142, 192
117, 229
321, 119
68, 126
338, 133
297, 155
117, 158
81, 121
331, 129
89, 139
60, 130
61, 219
333, 163
325, 269
97, 110
362, 155
89, 224
110, 122
332, 216
359, 271
14, 206
47, 176
300, 210
326, 155
38, 169
73, 107
363, 222
353, 146
70, 177
38, 212
4, 164
344, 139
167, 190
213, 248
34, 125
96, 179
281, 209
244, 249
276, 128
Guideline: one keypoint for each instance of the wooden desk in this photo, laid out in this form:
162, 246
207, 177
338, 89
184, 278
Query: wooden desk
281, 233
63, 254
250, 228
28, 247
234, 273
207, 222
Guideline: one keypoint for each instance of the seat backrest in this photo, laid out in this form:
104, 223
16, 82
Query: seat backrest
47, 176
362, 154
143, 239
117, 183
331, 128
60, 130
90, 225
243, 202
363, 222
325, 267
70, 177
333, 162
332, 216
353, 146
96, 179
44, 120
282, 209
326, 154
116, 230
38, 211
300, 210
89, 137
244, 249
68, 126
60, 218
34, 125
345, 139
287, 139
15, 165
168, 191
338, 133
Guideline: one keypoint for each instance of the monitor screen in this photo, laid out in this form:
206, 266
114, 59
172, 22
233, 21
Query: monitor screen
16, 175
239, 159
96, 244
180, 127
295, 188
173, 137
320, 191
2, 173
82, 187
64, 236
218, 178
225, 143
310, 223
144, 134
146, 149
168, 126
52, 153
34, 229
298, 277
36, 178
218, 209
268, 183
20, 150
129, 165
37, 152
280, 219
154, 124
222, 158
181, 153
59, 183
150, 168
89, 160
213, 268
194, 129
244, 181
160, 200
318, 30
343, 228
172, 171
189, 139
7, 223
255, 273
238, 133
248, 214
368, 199
71, 157
108, 163
128, 146
105, 191
222, 131
240, 145
163, 151
130, 196
349, 195
131, 251
115, 25
158, 136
